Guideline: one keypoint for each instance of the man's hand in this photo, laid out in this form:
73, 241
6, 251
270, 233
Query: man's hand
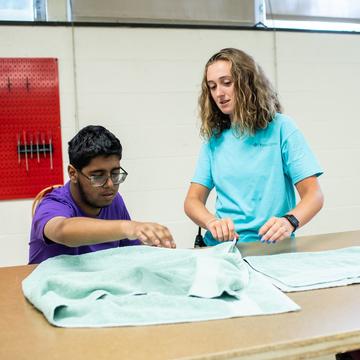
275, 229
222, 229
151, 234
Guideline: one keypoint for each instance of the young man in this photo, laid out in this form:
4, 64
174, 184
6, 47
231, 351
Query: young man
87, 213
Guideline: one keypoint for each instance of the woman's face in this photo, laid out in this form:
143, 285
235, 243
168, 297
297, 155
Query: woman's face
221, 86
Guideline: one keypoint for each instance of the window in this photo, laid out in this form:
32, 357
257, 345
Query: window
23, 10
330, 15
17, 10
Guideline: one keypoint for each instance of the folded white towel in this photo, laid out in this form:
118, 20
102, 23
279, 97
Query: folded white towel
310, 270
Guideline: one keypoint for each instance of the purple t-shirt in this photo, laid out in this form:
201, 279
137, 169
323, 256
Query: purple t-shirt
60, 203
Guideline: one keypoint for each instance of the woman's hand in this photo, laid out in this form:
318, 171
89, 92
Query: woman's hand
275, 229
222, 229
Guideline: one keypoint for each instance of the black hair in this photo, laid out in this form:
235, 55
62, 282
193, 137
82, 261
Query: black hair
90, 142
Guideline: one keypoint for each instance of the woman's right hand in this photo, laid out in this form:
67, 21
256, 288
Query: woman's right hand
222, 229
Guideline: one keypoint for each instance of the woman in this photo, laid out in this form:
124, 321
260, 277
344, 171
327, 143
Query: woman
253, 155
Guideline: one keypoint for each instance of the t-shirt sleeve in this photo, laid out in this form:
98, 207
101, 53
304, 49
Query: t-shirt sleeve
46, 210
124, 215
203, 174
299, 161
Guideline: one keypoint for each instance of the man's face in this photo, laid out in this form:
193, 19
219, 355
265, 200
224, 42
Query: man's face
91, 197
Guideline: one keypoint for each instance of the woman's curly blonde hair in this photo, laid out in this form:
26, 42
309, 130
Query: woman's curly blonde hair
256, 101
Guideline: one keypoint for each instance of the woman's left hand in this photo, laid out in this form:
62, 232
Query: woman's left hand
275, 229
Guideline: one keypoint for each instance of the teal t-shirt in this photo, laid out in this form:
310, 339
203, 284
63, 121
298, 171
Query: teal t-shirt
254, 176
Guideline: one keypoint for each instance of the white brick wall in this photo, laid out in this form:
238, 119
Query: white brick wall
143, 85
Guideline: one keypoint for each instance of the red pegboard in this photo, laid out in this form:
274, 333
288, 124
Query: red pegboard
30, 134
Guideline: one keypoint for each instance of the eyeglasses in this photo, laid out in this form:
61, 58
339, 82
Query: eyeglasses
100, 180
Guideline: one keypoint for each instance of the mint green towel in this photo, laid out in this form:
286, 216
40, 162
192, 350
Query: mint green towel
310, 270
141, 285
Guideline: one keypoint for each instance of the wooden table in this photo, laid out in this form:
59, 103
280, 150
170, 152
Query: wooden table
329, 322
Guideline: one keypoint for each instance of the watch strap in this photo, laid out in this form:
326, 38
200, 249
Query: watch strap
292, 220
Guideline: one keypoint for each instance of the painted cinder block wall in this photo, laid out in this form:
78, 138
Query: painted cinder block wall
143, 85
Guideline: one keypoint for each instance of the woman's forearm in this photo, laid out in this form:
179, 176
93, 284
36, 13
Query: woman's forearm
194, 205
195, 209
311, 200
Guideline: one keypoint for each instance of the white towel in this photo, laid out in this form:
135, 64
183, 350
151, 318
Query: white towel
310, 270
141, 285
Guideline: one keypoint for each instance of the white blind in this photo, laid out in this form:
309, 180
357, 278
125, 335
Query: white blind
225, 12
314, 10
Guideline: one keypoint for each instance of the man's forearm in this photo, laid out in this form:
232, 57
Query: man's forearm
80, 231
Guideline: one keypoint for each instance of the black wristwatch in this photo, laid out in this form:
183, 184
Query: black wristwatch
292, 220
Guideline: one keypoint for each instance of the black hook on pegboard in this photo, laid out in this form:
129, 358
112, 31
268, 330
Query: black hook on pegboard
27, 84
9, 84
